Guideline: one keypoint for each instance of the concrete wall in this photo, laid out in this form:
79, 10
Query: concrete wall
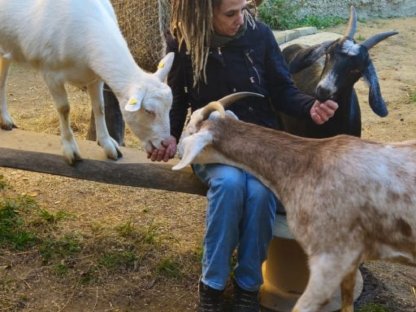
365, 8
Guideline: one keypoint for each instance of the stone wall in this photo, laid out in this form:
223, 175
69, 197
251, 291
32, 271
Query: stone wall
365, 8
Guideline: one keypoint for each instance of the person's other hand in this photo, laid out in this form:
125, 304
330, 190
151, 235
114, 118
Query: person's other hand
321, 112
165, 153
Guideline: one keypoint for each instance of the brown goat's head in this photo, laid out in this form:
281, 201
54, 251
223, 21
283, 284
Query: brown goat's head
195, 139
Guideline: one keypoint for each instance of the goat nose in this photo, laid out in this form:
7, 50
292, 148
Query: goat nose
322, 94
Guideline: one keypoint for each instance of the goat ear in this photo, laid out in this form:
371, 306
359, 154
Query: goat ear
375, 99
231, 114
191, 147
135, 103
308, 56
164, 66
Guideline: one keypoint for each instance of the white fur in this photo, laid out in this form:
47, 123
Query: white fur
350, 47
79, 42
328, 82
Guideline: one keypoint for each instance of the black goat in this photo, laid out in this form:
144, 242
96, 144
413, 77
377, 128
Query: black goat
329, 71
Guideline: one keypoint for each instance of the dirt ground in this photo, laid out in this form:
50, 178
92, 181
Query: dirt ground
179, 218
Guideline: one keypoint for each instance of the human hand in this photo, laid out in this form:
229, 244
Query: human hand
165, 153
321, 112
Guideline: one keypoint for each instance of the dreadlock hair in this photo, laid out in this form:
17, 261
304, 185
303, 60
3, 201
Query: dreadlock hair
191, 24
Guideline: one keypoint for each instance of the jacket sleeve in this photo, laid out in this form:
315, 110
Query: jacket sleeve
285, 96
177, 82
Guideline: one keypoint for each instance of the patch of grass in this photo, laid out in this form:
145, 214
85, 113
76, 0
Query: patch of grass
282, 15
278, 14
3, 183
52, 218
412, 96
150, 235
147, 235
320, 21
169, 268
60, 269
13, 230
90, 276
372, 307
126, 229
55, 249
118, 260
94, 256
25, 204
360, 38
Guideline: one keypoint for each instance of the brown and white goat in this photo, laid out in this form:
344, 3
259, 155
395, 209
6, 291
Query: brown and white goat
347, 200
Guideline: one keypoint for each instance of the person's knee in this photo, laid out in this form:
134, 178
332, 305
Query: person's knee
230, 181
257, 191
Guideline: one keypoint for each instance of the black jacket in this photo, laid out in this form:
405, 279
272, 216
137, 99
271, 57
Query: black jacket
252, 63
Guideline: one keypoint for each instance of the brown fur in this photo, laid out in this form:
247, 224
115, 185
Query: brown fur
346, 199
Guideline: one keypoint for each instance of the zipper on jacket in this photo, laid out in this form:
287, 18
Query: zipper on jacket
219, 56
254, 67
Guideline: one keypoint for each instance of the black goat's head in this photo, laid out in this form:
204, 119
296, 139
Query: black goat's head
345, 62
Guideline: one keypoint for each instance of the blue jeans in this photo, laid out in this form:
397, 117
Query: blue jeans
240, 214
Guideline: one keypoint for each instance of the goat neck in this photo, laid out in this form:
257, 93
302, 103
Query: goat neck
239, 143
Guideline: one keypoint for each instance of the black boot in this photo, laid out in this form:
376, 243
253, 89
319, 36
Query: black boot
210, 299
244, 300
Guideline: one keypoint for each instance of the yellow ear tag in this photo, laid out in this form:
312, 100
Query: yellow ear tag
132, 101
161, 65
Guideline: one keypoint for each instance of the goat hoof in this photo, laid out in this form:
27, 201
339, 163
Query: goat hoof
74, 159
119, 154
8, 127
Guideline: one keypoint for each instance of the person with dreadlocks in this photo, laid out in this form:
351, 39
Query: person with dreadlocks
220, 49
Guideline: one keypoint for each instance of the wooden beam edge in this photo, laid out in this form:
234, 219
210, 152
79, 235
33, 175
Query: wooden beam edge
41, 153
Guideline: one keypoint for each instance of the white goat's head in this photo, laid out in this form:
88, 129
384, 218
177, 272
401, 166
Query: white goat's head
147, 111
196, 139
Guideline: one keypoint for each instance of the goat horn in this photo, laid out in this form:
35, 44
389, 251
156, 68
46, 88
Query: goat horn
212, 107
229, 99
352, 24
372, 41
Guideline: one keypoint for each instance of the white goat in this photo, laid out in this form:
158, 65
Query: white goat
79, 41
347, 199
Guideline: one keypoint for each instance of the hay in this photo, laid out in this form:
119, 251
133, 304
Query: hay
143, 23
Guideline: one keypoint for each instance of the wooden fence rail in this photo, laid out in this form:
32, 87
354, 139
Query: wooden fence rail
42, 153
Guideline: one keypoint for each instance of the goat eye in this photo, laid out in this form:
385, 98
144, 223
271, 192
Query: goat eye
149, 112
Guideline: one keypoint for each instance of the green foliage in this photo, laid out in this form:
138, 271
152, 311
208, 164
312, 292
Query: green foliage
147, 235
118, 260
3, 183
278, 14
126, 230
169, 268
52, 218
372, 307
282, 15
90, 276
55, 249
412, 96
360, 38
150, 235
320, 22
60, 269
13, 230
